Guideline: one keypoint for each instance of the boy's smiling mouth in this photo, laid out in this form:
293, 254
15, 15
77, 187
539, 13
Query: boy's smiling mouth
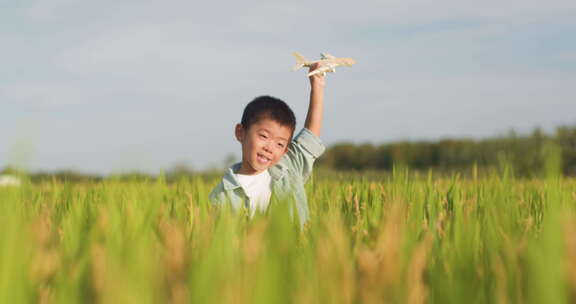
262, 159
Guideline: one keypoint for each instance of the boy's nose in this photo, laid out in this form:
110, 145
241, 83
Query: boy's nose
268, 148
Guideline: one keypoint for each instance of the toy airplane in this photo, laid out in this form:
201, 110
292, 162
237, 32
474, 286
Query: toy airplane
328, 63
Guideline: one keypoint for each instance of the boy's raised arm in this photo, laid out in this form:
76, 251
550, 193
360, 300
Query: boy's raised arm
316, 106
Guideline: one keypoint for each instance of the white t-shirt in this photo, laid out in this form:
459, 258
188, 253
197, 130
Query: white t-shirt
257, 188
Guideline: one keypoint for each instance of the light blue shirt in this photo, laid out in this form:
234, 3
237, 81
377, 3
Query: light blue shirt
288, 176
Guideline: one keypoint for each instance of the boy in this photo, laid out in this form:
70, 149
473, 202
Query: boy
271, 161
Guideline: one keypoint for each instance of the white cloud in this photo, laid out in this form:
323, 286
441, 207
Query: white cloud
44, 93
48, 9
568, 55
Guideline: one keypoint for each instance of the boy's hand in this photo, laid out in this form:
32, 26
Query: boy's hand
316, 81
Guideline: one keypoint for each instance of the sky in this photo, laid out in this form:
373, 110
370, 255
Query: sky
112, 86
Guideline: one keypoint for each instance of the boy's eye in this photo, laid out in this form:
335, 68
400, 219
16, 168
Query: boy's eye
281, 145
263, 136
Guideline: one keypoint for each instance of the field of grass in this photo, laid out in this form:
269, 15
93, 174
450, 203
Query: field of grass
398, 238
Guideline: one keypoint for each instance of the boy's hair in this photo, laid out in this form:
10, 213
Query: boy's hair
268, 107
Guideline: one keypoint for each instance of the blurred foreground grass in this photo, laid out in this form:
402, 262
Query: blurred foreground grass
402, 238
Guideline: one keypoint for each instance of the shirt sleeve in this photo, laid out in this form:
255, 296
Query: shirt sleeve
303, 151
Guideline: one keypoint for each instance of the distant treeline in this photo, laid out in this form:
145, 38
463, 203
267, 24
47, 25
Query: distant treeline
529, 155
172, 175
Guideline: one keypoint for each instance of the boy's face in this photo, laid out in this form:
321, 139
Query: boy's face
263, 145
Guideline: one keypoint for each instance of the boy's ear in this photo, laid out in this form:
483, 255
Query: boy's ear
239, 132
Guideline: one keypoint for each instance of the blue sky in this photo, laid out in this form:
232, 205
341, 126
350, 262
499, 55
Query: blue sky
110, 86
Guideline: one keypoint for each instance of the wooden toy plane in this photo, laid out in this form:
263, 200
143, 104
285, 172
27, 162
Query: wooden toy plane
328, 63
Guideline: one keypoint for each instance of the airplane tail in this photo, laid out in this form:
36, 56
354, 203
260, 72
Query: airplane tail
300, 61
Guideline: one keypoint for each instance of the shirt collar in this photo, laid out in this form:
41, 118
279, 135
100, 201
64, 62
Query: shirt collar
230, 181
